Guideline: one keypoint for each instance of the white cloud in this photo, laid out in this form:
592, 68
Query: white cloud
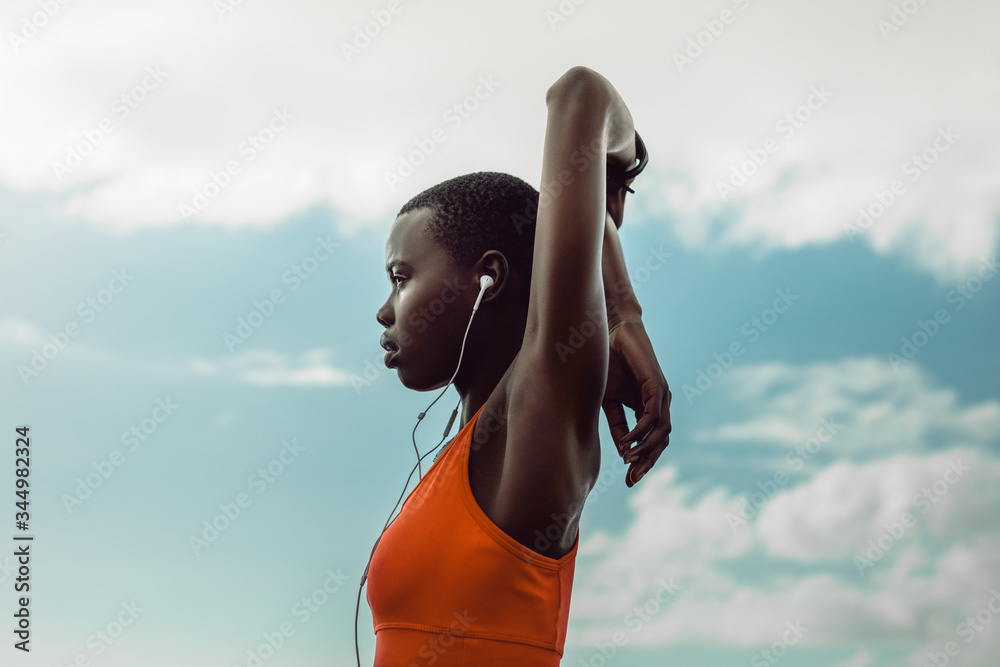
354, 119
19, 331
915, 589
260, 367
925, 576
833, 516
878, 410
269, 368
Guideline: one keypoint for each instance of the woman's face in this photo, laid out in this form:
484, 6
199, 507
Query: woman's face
428, 308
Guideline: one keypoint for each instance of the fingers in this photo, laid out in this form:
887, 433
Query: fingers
630, 477
615, 413
639, 469
644, 456
655, 436
652, 405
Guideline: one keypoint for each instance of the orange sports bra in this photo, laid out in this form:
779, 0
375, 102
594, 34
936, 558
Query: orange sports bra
447, 587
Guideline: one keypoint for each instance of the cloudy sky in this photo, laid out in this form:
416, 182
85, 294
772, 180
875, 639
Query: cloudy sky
824, 180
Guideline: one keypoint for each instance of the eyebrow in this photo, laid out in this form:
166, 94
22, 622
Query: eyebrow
396, 262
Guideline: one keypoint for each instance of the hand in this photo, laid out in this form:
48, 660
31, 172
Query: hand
636, 381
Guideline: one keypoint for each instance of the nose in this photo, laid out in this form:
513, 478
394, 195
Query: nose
384, 315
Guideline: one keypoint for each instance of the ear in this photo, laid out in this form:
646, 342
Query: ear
495, 264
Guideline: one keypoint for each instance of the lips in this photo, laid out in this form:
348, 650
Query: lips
391, 350
388, 344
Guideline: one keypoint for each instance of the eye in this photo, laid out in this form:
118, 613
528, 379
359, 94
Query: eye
395, 278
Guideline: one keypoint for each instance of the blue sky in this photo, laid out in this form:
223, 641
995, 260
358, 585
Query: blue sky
790, 496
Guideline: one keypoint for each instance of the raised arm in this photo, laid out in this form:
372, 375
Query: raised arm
635, 379
587, 125
558, 382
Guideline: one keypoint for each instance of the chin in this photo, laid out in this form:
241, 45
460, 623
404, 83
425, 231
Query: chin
419, 383
406, 378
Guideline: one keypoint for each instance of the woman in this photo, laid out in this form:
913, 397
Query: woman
478, 566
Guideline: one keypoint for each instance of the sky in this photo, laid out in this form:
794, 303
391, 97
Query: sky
194, 200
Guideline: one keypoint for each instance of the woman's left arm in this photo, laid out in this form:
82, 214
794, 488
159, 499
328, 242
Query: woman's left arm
634, 376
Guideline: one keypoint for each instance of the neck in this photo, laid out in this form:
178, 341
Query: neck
494, 351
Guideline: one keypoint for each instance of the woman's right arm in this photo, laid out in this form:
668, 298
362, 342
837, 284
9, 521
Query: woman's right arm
558, 381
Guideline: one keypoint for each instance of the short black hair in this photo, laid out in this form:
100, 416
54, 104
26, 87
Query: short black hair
485, 210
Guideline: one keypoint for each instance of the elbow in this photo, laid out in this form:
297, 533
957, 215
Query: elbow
579, 83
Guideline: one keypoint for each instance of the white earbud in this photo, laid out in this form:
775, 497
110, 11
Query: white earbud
485, 282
